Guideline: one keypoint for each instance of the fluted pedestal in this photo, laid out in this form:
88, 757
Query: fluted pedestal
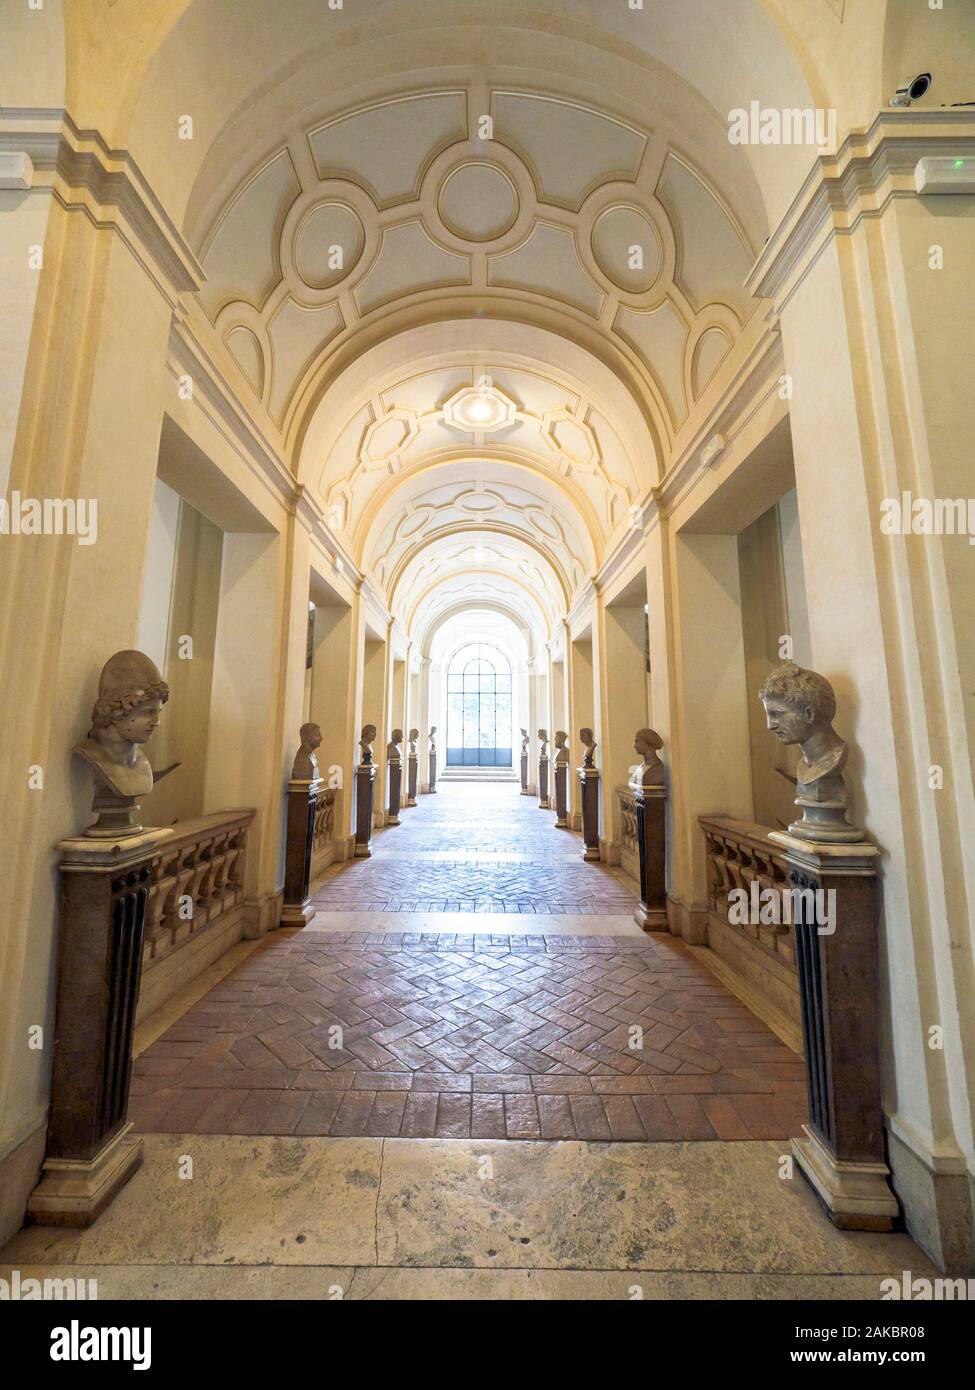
296, 910
395, 782
105, 889
589, 781
543, 796
433, 772
843, 1152
651, 819
561, 796
365, 785
411, 780
524, 775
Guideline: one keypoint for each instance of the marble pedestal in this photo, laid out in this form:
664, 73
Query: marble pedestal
105, 891
561, 796
365, 787
843, 1154
296, 910
589, 781
411, 780
395, 766
543, 796
524, 775
433, 773
651, 816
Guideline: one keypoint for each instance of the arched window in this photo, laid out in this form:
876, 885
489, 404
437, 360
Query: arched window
479, 707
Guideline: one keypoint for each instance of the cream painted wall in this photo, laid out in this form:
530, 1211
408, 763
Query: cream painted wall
23, 220
157, 588
710, 762
93, 396
333, 705
624, 703
881, 630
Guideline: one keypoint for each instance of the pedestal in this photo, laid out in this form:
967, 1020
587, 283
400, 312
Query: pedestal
105, 888
296, 910
411, 780
561, 796
433, 772
834, 889
589, 780
524, 775
651, 819
543, 797
365, 784
395, 781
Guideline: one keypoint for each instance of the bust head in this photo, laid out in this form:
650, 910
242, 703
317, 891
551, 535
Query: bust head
798, 703
311, 737
543, 735
650, 771
799, 708
586, 736
646, 742
414, 735
368, 733
561, 738
305, 765
131, 694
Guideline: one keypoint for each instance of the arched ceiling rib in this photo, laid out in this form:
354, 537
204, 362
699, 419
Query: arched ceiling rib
480, 563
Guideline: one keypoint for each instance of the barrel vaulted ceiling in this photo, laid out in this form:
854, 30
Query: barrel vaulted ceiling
399, 202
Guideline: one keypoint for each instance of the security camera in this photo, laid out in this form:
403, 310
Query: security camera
911, 91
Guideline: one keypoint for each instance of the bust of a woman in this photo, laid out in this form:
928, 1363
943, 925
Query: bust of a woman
131, 694
649, 772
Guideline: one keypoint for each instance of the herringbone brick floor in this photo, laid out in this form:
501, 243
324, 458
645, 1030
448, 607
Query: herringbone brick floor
545, 873
523, 1037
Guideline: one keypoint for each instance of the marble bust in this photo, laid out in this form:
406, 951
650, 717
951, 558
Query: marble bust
131, 694
305, 766
543, 740
414, 735
561, 746
524, 740
433, 731
800, 707
365, 745
589, 743
393, 753
649, 772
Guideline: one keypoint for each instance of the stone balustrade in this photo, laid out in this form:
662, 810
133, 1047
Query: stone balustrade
196, 891
629, 834
323, 845
760, 956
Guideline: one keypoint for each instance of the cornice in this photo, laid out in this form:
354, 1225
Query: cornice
84, 173
756, 377
308, 513
869, 168
188, 356
587, 598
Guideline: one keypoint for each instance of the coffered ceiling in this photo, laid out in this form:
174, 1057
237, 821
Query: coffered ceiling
447, 196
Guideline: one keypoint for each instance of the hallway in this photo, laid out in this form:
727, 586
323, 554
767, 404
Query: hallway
430, 996
438, 1152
